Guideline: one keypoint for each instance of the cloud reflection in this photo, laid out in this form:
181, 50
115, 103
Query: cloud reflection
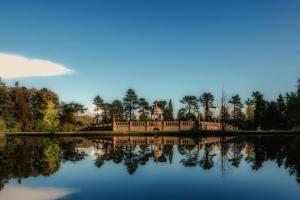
16, 192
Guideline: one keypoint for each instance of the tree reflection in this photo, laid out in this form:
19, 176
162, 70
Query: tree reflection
24, 157
207, 159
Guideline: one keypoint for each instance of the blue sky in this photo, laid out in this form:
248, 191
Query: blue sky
162, 49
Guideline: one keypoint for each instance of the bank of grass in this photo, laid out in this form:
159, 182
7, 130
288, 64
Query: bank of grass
151, 133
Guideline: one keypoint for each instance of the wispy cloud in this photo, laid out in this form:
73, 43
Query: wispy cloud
16, 66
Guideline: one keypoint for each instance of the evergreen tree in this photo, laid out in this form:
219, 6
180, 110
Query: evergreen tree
169, 113
130, 102
117, 110
143, 109
260, 108
237, 109
207, 101
98, 102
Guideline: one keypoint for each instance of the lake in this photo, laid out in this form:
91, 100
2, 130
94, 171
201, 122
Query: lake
144, 167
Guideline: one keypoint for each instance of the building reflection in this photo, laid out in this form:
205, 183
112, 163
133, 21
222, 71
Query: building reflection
21, 158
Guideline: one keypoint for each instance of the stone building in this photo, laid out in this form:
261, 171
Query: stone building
157, 113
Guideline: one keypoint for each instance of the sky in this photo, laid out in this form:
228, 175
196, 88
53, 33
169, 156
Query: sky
161, 49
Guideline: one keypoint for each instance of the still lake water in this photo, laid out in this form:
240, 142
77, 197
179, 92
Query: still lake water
248, 167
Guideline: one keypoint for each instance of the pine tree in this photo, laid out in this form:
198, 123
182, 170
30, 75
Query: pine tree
130, 102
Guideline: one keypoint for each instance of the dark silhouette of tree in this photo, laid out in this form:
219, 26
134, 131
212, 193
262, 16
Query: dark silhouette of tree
206, 161
190, 103
207, 101
260, 108
130, 102
169, 113
144, 108
98, 102
117, 110
237, 113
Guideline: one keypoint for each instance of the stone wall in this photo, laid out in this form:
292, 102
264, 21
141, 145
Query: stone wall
139, 126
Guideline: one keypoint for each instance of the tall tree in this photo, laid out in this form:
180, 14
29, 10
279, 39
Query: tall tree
98, 102
22, 109
143, 109
50, 117
249, 111
191, 103
207, 101
106, 115
169, 113
130, 102
237, 109
260, 108
117, 110
6, 106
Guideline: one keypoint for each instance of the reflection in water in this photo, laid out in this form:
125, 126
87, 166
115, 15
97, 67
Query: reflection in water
30, 157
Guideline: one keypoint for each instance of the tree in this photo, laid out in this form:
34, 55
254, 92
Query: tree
22, 109
191, 103
260, 108
50, 117
237, 109
68, 112
106, 115
6, 106
282, 109
207, 101
181, 115
117, 109
98, 102
169, 113
143, 109
36, 102
249, 111
130, 102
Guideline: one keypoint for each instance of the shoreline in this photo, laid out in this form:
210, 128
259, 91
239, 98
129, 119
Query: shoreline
170, 133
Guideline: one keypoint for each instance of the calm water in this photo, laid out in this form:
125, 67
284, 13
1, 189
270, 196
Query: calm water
150, 168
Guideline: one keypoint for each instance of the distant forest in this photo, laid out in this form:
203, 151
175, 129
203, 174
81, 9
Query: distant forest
30, 109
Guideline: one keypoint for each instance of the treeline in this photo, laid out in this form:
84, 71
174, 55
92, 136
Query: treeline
253, 114
30, 109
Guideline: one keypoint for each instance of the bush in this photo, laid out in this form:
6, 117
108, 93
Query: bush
2, 125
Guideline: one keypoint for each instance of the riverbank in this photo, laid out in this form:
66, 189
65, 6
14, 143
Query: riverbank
152, 133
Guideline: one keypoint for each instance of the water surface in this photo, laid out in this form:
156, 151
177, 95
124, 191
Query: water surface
264, 167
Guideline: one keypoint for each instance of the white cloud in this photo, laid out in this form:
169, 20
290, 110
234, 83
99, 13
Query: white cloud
15, 66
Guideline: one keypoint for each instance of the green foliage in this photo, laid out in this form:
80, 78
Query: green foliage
207, 100
6, 106
2, 125
237, 113
98, 102
191, 103
130, 103
117, 110
184, 115
144, 109
50, 117
168, 112
51, 158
